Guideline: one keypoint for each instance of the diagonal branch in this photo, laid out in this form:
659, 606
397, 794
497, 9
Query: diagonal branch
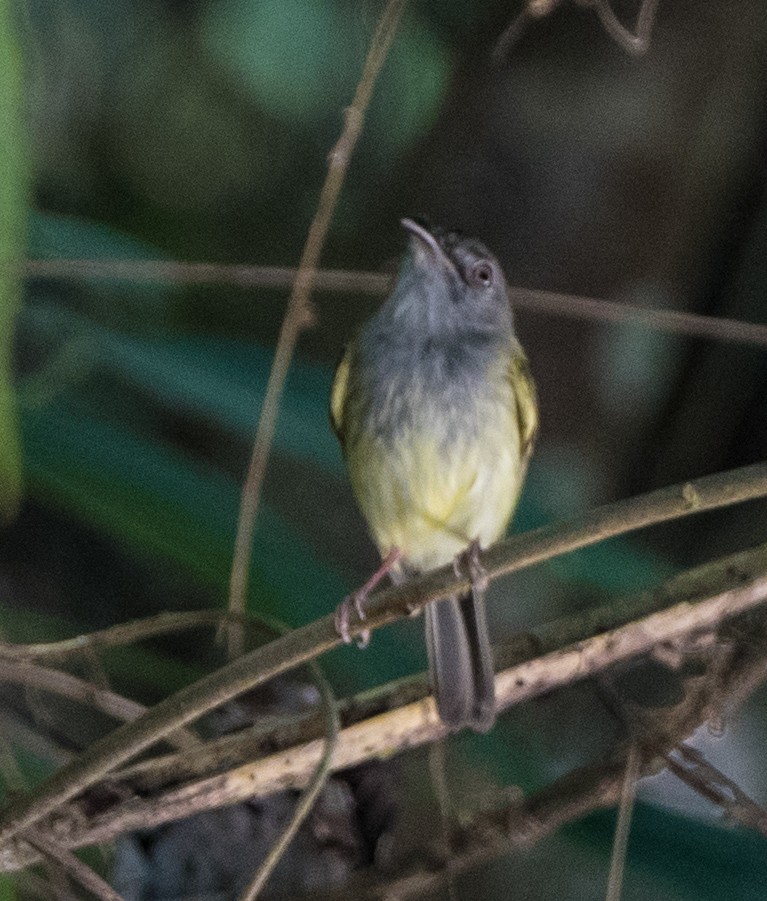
689, 765
308, 642
112, 637
66, 685
74, 867
700, 600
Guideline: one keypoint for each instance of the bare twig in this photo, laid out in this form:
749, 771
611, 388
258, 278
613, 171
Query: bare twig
65, 684
310, 794
74, 867
337, 281
299, 314
711, 783
623, 826
386, 606
114, 636
701, 599
692, 325
533, 9
636, 42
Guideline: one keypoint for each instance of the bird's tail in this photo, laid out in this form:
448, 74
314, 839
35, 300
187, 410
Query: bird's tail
461, 662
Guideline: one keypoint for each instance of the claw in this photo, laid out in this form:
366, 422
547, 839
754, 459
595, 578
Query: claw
357, 601
476, 571
343, 616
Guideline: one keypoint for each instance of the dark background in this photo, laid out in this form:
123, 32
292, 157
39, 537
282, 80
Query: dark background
199, 131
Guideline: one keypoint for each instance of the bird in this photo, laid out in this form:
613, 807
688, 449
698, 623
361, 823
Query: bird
436, 411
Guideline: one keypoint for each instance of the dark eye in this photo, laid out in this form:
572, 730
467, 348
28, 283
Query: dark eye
481, 274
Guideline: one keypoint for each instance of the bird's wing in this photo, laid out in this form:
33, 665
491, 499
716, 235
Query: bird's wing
338, 395
527, 402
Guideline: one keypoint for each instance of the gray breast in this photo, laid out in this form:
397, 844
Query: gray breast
438, 384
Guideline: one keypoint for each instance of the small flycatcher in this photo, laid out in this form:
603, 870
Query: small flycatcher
436, 412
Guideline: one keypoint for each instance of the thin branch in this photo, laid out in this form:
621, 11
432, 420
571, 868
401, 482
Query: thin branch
298, 314
73, 867
385, 607
623, 826
338, 281
692, 325
702, 598
310, 793
533, 9
636, 42
694, 770
66, 685
113, 637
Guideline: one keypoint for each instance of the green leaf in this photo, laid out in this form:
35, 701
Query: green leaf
689, 858
301, 60
14, 185
213, 379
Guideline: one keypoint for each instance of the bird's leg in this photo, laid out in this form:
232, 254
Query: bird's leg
476, 571
358, 598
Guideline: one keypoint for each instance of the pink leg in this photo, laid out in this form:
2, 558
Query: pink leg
357, 600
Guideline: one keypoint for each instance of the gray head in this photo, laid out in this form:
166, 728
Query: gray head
449, 284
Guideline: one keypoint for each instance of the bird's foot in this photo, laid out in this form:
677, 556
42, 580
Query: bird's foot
357, 599
473, 565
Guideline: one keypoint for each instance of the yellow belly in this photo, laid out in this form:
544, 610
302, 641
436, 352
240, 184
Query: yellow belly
431, 497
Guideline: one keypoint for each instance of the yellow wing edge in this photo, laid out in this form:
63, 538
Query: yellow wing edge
527, 402
338, 392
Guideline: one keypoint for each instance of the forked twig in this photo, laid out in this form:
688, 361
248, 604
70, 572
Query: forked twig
636, 42
710, 782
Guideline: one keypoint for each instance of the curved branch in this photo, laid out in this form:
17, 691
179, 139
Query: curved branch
700, 600
112, 637
385, 607
68, 686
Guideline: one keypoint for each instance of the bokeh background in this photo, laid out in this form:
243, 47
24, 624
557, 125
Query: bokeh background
198, 130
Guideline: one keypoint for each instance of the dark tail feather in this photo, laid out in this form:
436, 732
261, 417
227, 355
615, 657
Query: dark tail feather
461, 662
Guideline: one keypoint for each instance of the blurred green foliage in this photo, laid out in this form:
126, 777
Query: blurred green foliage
301, 62
14, 199
200, 131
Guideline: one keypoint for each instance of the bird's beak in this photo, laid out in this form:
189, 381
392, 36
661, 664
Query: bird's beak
425, 240
422, 233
